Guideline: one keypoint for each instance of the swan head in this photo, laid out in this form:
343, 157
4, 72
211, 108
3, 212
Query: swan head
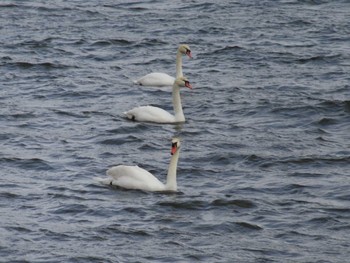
183, 82
185, 49
175, 145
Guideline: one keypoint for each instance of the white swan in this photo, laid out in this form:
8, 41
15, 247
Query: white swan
158, 115
134, 177
162, 79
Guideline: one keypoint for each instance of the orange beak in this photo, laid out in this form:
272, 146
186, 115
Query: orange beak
173, 149
188, 53
188, 85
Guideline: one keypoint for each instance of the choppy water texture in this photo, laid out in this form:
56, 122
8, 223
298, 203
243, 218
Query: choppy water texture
265, 160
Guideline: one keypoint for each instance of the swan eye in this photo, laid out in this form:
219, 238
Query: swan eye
174, 144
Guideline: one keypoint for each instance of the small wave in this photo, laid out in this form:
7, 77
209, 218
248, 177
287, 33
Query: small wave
317, 59
310, 161
122, 229
54, 235
305, 174
6, 59
321, 139
70, 209
138, 9
329, 104
18, 229
227, 49
36, 43
249, 226
334, 105
108, 42
312, 2
150, 42
255, 159
32, 163
191, 205
120, 141
338, 210
323, 221
18, 115
204, 6
238, 203
80, 41
62, 195
327, 121
71, 93
130, 129
211, 30
293, 110
295, 188
147, 146
347, 105
8, 195
8, 5
70, 114
229, 227
42, 65
156, 61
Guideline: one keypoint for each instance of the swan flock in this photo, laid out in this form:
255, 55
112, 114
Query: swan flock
134, 177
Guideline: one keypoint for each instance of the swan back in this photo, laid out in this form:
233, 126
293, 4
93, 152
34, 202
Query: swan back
150, 114
134, 177
156, 79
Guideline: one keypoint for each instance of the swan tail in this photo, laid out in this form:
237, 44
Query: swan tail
129, 115
105, 181
137, 82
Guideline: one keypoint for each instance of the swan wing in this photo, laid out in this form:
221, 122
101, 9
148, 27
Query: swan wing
156, 79
134, 177
150, 114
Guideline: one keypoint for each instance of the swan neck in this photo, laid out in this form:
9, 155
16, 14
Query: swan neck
171, 184
179, 64
179, 115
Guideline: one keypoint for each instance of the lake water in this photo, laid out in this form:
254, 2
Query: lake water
264, 167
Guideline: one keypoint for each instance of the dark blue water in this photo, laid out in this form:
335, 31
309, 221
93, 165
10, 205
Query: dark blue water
264, 167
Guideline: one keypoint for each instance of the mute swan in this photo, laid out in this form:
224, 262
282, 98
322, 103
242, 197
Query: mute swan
134, 177
158, 115
162, 79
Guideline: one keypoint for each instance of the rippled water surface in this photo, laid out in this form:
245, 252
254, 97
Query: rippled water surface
264, 166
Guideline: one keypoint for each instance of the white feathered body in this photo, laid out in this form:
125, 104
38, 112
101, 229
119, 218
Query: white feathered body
132, 177
156, 79
150, 114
